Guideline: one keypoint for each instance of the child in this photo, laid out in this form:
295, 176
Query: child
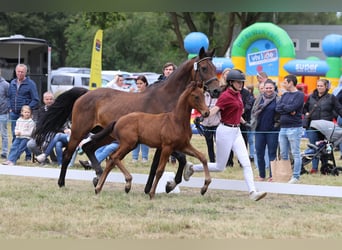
23, 130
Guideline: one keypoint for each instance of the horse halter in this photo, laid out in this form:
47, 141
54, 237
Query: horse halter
197, 70
213, 93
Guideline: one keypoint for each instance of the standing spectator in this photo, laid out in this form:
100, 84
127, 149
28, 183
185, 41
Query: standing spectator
228, 134
142, 84
248, 100
250, 133
262, 77
290, 107
320, 106
168, 68
22, 91
265, 123
210, 125
23, 131
48, 100
4, 116
224, 76
338, 93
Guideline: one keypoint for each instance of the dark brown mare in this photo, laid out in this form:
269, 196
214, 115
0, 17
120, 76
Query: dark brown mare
94, 110
167, 131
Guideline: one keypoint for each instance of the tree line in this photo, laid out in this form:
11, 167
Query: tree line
140, 41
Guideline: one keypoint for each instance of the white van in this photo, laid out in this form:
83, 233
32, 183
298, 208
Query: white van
62, 81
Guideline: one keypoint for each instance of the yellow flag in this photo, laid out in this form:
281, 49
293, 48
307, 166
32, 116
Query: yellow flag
96, 62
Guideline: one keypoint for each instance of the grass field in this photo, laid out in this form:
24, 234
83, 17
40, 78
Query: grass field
35, 208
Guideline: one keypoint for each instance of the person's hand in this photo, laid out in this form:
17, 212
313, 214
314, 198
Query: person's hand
198, 119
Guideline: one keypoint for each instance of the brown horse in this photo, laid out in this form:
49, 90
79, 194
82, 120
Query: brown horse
167, 131
94, 110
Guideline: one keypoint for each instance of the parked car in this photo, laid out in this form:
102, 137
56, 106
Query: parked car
72, 70
62, 81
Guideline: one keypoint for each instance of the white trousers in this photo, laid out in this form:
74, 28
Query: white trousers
227, 139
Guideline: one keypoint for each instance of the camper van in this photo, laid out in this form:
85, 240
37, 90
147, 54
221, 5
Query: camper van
34, 52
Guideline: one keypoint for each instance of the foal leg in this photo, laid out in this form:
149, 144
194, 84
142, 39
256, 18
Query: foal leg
170, 185
190, 150
103, 177
160, 170
128, 176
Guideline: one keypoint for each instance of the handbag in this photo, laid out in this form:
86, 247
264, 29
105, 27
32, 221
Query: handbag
307, 118
306, 121
281, 170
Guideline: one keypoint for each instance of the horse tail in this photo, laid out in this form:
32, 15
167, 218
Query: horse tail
57, 115
104, 132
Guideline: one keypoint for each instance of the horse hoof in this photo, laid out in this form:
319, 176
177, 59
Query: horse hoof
97, 191
203, 190
170, 186
61, 184
127, 189
95, 181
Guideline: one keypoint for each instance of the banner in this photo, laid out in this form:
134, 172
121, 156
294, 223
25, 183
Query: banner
96, 62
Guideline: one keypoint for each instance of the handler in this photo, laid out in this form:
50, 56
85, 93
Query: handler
228, 134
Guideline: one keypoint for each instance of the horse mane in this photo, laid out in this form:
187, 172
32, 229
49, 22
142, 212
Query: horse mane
60, 108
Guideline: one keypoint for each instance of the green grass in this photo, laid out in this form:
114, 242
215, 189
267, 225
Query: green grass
36, 208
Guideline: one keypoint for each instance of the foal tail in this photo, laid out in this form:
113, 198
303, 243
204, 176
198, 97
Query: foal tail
58, 113
104, 132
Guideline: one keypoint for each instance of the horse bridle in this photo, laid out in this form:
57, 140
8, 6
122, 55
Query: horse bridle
213, 93
197, 70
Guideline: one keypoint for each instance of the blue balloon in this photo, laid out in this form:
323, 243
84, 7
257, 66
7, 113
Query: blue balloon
332, 45
221, 63
194, 41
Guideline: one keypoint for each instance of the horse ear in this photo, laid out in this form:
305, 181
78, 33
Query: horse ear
201, 53
212, 52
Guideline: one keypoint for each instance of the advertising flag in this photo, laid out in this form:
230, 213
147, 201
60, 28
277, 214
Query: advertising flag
96, 61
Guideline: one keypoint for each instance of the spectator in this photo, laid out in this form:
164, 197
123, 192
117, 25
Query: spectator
142, 84
118, 84
228, 134
338, 93
48, 100
320, 106
23, 130
210, 125
265, 121
22, 91
101, 154
290, 107
250, 134
262, 77
4, 85
58, 142
168, 68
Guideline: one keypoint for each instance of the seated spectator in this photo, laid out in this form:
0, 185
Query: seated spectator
23, 131
48, 100
58, 142
101, 154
